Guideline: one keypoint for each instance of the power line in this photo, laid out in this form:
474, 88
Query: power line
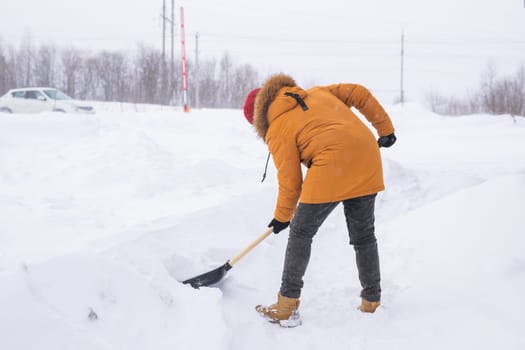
366, 41
219, 37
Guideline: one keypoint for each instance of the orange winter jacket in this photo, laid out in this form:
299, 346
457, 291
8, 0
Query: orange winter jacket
340, 152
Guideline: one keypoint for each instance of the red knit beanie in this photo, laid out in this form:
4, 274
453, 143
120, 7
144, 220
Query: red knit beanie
249, 104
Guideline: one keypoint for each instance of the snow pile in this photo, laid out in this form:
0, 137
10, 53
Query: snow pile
103, 215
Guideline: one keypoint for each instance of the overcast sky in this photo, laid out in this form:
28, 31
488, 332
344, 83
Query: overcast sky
448, 43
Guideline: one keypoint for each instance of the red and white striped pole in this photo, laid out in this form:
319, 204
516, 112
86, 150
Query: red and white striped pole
184, 72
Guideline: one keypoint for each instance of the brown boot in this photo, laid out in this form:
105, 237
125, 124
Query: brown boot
285, 312
369, 306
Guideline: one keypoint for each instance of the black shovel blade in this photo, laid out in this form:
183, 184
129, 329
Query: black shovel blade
209, 278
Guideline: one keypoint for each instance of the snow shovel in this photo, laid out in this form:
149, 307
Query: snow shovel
216, 275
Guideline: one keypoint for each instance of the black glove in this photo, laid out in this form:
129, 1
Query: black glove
278, 226
387, 141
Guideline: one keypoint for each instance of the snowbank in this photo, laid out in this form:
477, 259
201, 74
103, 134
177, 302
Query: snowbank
104, 214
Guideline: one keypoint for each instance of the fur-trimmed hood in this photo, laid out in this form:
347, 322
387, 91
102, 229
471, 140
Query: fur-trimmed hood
265, 97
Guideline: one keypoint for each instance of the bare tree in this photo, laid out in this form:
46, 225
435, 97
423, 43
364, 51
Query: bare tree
175, 88
223, 84
226, 77
71, 60
25, 60
112, 73
114, 76
496, 96
88, 83
436, 102
208, 84
44, 69
4, 71
488, 89
13, 76
517, 93
245, 79
148, 71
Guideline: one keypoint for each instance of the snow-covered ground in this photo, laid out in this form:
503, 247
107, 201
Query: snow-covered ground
102, 215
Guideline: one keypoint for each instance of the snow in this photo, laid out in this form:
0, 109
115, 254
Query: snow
103, 215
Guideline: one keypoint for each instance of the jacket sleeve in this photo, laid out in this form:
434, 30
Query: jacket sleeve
354, 95
289, 174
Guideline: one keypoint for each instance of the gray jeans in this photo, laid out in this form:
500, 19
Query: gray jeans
359, 213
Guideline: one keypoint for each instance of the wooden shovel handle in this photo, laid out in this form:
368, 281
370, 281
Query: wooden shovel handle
252, 245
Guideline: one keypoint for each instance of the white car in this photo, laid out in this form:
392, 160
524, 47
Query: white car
41, 99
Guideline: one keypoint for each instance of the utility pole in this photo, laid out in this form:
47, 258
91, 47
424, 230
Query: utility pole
197, 70
163, 69
163, 30
167, 77
402, 92
172, 63
184, 72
